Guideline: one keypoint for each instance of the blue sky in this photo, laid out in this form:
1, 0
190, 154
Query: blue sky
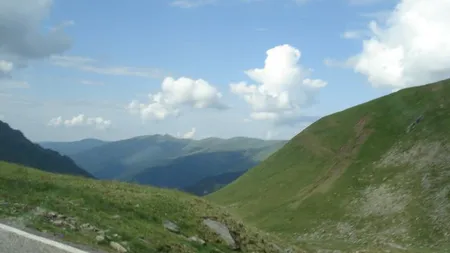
71, 69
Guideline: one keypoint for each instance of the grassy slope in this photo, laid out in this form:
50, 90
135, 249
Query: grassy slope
358, 178
141, 211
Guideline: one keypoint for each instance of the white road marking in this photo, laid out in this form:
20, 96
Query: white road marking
42, 240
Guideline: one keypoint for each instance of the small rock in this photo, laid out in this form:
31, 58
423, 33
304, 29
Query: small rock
116, 216
117, 247
57, 222
71, 226
222, 231
99, 238
61, 216
172, 227
52, 214
89, 227
71, 220
197, 240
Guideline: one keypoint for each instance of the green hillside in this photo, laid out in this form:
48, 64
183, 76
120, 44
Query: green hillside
16, 148
102, 214
375, 176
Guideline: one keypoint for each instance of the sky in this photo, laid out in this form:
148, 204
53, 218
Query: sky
112, 70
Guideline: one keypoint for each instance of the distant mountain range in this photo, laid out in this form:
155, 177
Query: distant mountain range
169, 162
16, 148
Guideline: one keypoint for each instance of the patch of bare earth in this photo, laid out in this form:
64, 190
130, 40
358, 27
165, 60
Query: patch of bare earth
341, 161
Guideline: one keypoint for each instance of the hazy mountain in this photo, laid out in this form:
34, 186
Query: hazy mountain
72, 147
16, 148
166, 161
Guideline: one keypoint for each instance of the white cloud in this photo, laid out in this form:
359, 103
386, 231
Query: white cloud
56, 121
190, 134
75, 121
81, 120
5, 68
21, 35
175, 94
2, 116
282, 88
91, 65
411, 47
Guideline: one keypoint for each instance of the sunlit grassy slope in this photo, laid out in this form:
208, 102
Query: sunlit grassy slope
375, 176
128, 214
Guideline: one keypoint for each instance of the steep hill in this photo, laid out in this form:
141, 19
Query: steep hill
119, 217
375, 176
72, 147
16, 148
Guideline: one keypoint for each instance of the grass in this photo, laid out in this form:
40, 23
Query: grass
128, 214
368, 178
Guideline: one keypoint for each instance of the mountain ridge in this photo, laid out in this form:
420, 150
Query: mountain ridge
159, 160
16, 148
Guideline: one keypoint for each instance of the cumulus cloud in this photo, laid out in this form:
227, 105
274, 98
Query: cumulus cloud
190, 134
5, 68
21, 36
81, 120
411, 47
282, 88
176, 94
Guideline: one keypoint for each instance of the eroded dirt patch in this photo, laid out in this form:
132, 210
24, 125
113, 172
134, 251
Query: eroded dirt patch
341, 161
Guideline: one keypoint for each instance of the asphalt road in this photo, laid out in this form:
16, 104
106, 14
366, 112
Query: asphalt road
13, 240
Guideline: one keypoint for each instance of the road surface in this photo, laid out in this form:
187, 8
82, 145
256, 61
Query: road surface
13, 240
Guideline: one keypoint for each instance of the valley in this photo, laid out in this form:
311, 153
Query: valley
372, 178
